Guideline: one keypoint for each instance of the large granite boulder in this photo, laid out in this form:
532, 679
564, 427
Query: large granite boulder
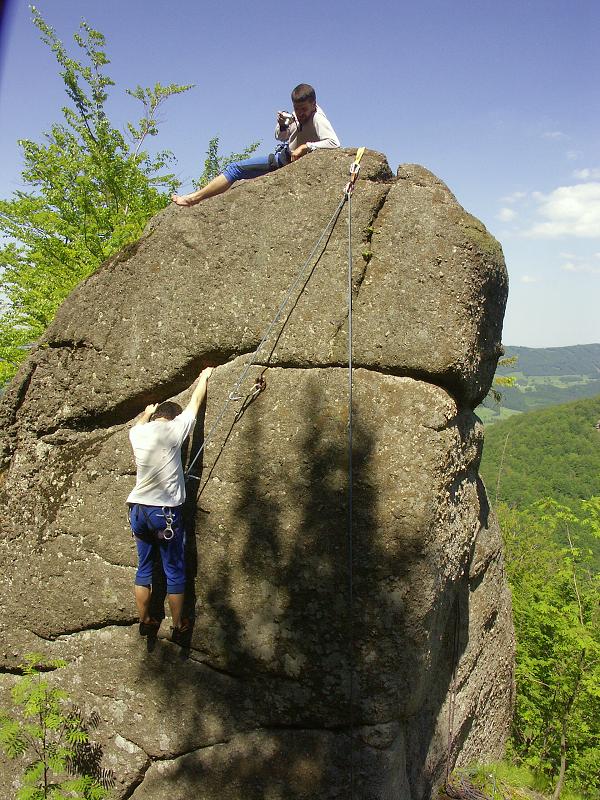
374, 648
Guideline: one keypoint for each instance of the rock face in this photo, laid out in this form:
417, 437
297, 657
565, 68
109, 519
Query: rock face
318, 656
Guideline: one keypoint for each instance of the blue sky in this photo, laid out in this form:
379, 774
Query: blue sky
500, 100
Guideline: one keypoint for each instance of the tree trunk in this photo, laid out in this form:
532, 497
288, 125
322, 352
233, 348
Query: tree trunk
563, 761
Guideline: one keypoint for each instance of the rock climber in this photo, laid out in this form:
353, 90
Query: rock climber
156, 503
305, 130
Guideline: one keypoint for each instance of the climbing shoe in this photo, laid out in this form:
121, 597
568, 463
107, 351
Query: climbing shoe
149, 628
182, 634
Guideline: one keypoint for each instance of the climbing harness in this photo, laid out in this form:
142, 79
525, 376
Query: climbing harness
163, 534
167, 533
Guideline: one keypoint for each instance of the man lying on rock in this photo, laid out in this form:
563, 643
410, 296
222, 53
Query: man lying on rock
156, 503
305, 130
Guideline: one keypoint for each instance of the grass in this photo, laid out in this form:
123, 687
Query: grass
503, 780
488, 415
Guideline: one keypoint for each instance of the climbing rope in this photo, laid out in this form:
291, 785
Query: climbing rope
259, 387
452, 699
233, 394
349, 511
354, 170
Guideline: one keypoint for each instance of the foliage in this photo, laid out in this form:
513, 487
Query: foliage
51, 738
504, 780
503, 380
90, 192
215, 164
556, 596
580, 359
532, 394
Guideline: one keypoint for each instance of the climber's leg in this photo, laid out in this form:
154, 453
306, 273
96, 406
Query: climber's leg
237, 171
217, 186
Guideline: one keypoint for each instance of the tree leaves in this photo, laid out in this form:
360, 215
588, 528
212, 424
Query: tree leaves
214, 163
556, 596
90, 192
51, 737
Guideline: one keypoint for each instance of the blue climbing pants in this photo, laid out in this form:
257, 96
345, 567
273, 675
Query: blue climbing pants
162, 527
257, 166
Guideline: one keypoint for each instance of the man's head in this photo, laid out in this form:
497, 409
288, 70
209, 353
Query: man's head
304, 100
167, 410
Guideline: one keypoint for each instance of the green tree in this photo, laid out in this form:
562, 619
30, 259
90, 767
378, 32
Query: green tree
503, 381
214, 164
556, 729
50, 736
91, 190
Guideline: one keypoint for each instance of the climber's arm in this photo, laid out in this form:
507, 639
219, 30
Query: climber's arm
199, 392
146, 414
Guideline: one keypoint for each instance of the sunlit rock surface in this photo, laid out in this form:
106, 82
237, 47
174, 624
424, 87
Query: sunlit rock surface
289, 678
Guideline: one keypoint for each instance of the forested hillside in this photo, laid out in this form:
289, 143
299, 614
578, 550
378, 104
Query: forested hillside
580, 359
554, 453
542, 472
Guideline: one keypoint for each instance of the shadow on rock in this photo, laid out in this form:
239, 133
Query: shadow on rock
327, 676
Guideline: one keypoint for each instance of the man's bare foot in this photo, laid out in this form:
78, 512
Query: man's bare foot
184, 200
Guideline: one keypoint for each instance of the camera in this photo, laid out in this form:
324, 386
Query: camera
287, 117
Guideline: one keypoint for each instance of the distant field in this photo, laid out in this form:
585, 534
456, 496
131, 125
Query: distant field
545, 377
488, 415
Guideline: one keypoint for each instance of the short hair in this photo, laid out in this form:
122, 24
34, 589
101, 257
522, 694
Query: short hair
167, 410
302, 92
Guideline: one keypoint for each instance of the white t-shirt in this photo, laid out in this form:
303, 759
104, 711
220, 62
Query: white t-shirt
157, 448
317, 133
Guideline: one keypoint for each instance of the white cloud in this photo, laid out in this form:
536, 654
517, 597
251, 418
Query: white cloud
506, 214
514, 197
568, 211
529, 279
554, 135
574, 155
587, 174
582, 265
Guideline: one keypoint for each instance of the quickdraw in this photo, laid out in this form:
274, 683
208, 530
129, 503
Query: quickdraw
354, 170
260, 385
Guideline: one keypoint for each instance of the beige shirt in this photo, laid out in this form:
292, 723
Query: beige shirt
317, 133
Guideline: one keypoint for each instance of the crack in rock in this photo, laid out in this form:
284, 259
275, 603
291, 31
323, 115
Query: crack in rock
366, 240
